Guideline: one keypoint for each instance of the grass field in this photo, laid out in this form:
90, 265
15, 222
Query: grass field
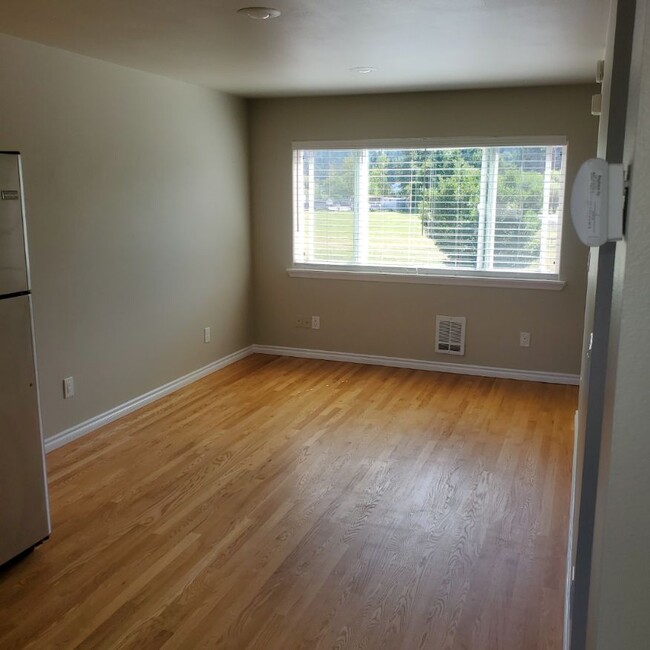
395, 239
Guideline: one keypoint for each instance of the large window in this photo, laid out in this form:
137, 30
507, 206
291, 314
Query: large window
454, 210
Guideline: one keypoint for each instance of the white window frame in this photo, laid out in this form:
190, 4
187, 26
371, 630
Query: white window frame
500, 278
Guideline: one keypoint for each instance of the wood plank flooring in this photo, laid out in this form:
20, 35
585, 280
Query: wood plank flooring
298, 504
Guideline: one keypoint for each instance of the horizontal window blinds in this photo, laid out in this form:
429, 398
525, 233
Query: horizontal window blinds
494, 209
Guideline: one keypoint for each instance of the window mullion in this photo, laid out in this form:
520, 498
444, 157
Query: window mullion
491, 208
482, 211
362, 208
310, 214
557, 223
299, 199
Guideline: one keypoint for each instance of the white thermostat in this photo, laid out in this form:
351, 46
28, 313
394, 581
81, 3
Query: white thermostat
597, 202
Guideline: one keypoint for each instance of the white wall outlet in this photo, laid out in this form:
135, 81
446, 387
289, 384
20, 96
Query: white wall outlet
524, 339
68, 387
315, 322
206, 335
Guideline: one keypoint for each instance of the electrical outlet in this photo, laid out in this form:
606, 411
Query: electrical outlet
206, 335
315, 322
68, 387
304, 322
524, 339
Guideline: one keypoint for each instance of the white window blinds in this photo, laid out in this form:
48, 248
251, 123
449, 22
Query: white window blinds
469, 210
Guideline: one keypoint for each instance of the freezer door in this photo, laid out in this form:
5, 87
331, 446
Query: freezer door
13, 256
24, 516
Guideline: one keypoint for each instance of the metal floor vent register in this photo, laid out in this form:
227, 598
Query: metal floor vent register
450, 334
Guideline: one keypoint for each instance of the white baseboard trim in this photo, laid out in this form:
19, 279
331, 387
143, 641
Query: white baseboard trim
79, 430
84, 428
415, 364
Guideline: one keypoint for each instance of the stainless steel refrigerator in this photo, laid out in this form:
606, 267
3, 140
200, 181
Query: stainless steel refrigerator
24, 511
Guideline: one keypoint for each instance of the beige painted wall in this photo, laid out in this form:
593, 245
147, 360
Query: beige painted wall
398, 319
138, 222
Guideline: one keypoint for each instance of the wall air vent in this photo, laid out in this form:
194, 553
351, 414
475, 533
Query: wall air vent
450, 334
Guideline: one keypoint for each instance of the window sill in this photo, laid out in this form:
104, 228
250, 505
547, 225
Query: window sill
412, 278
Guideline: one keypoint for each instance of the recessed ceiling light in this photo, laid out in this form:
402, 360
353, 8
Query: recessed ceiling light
259, 13
363, 70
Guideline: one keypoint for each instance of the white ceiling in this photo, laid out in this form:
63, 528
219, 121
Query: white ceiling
414, 44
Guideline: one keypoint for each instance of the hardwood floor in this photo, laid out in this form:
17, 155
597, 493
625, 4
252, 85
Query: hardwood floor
292, 504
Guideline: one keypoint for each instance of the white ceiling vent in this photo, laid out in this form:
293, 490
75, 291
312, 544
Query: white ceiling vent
450, 334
